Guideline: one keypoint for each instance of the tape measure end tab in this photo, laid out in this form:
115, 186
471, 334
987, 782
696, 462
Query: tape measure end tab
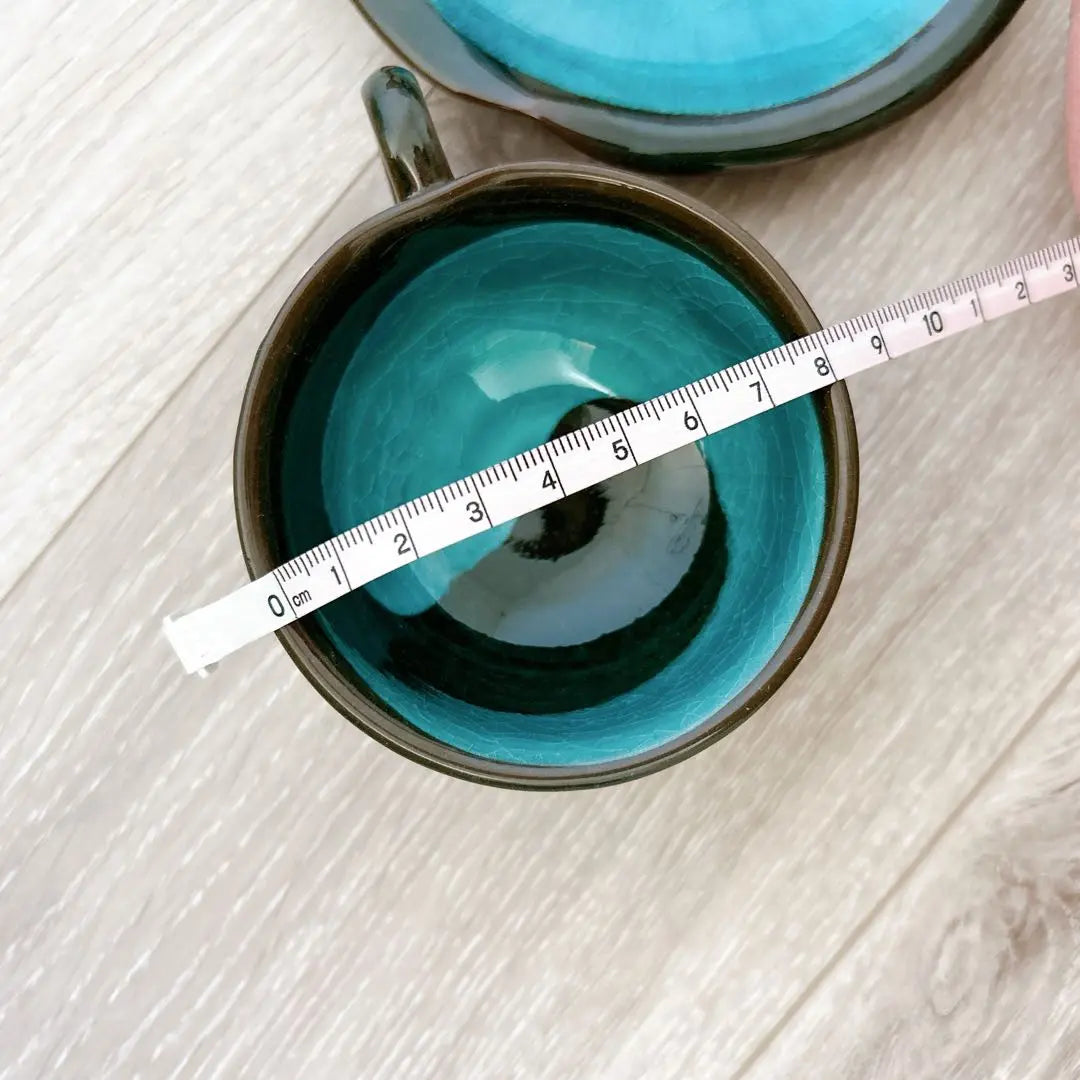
180, 642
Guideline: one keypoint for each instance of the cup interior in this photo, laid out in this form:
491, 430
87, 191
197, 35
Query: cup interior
616, 624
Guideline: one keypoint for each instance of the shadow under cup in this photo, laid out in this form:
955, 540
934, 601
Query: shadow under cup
616, 630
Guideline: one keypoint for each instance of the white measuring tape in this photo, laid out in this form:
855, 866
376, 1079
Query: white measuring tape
604, 449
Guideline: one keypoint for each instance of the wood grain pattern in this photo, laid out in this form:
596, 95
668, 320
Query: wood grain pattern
973, 969
158, 162
220, 878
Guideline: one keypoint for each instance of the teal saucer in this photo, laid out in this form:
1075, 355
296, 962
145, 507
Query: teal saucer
696, 85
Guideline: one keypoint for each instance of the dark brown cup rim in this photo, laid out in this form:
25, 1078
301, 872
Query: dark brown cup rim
709, 231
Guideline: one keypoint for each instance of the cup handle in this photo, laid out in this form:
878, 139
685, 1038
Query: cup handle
410, 148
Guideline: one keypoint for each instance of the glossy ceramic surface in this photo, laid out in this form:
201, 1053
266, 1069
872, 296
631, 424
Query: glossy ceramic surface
572, 639
616, 631
716, 82
705, 57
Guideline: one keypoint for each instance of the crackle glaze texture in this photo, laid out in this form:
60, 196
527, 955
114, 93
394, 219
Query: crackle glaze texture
703, 57
473, 347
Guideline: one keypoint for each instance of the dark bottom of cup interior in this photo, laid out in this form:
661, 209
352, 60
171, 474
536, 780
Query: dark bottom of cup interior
618, 629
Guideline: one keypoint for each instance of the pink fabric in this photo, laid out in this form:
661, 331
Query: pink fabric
1072, 101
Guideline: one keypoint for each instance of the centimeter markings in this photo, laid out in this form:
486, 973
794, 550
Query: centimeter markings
545, 474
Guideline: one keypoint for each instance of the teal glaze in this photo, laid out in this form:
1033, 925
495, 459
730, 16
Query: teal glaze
469, 349
711, 57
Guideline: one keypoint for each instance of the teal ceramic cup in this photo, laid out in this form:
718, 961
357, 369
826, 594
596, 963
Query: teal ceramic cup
618, 630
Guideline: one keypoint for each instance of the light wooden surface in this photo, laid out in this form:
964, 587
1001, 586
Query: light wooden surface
879, 876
